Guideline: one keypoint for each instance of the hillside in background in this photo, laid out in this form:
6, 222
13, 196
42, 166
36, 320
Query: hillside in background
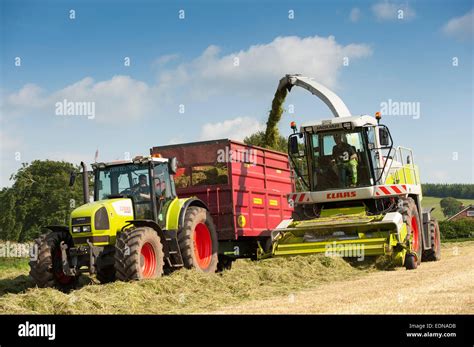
431, 201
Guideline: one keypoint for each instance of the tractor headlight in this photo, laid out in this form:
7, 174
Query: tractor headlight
86, 228
76, 229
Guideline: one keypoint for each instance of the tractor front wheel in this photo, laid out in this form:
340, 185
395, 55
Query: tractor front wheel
198, 240
46, 268
138, 255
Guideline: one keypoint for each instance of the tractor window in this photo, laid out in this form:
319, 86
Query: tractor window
162, 182
127, 180
123, 182
103, 185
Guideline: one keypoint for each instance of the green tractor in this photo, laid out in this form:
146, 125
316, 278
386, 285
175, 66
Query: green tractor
136, 228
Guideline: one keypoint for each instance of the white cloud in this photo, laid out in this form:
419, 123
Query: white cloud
165, 59
354, 16
116, 99
10, 148
460, 27
235, 129
259, 69
29, 97
261, 66
8, 143
389, 11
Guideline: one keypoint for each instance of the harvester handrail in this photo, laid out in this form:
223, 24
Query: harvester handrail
398, 157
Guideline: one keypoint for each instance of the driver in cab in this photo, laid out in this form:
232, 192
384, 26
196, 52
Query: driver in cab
345, 161
141, 189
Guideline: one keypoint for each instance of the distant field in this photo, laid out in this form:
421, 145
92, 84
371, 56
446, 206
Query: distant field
434, 202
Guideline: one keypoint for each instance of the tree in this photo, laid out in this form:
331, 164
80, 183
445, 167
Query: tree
39, 196
450, 206
455, 190
259, 139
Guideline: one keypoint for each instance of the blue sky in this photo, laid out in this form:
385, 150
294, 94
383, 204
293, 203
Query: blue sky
190, 62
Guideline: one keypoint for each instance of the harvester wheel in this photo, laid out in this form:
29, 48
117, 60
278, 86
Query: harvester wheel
434, 253
411, 217
105, 265
198, 240
138, 254
46, 269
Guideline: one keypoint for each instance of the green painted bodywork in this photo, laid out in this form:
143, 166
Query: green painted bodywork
168, 219
347, 230
172, 212
405, 175
116, 221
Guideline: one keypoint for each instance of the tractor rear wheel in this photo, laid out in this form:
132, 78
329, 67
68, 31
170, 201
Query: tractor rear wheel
434, 253
198, 240
411, 218
138, 254
47, 269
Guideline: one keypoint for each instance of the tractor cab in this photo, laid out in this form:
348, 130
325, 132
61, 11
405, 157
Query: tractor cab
146, 181
339, 153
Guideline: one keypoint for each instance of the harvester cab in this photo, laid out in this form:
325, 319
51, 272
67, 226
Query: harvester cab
349, 152
135, 228
356, 192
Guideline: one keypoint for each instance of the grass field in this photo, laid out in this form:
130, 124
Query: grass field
184, 291
431, 201
314, 284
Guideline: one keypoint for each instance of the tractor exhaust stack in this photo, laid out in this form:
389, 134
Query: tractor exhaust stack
85, 183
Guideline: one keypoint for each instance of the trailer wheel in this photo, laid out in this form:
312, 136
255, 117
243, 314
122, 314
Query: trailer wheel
138, 254
434, 253
411, 217
46, 269
198, 240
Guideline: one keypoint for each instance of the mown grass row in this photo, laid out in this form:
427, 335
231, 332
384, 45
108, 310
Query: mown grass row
184, 291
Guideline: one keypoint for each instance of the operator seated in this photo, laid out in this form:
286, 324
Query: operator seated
141, 189
345, 161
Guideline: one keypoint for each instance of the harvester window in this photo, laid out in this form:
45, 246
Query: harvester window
339, 160
328, 144
375, 153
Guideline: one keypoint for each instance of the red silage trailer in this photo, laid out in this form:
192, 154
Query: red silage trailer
244, 188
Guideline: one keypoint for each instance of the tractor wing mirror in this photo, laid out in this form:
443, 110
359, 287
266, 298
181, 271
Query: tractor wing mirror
72, 178
384, 137
173, 165
294, 148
